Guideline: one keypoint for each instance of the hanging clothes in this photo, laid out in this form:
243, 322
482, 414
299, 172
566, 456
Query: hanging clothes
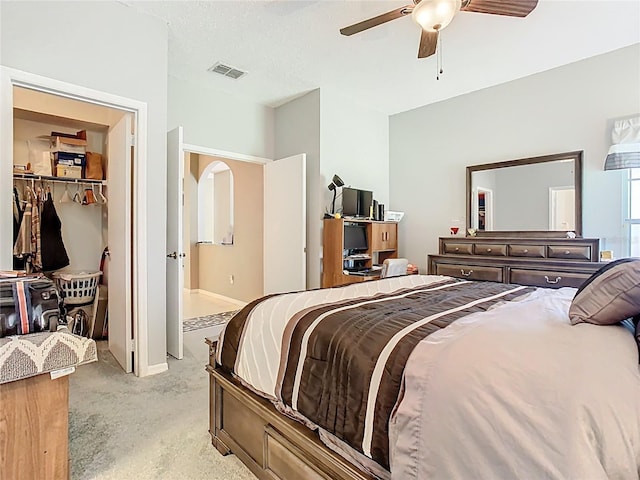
22, 247
18, 263
54, 254
36, 259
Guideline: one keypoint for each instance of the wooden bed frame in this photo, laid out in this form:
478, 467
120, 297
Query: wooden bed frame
270, 444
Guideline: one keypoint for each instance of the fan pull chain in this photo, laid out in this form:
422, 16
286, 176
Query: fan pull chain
439, 70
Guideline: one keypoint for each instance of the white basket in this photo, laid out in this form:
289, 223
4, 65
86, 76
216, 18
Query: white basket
78, 288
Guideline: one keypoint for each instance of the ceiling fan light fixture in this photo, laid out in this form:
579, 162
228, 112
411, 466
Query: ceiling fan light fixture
434, 15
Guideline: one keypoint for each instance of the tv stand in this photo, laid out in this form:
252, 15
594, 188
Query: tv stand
382, 240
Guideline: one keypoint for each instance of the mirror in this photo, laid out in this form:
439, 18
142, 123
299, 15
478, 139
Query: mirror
215, 204
540, 196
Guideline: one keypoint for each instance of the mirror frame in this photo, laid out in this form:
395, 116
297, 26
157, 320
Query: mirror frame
576, 156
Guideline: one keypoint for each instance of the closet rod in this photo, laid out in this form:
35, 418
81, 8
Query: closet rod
26, 176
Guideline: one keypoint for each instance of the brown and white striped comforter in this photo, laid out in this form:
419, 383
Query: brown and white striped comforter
427, 377
335, 357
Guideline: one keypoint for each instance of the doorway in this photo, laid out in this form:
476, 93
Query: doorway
208, 224
482, 212
268, 250
562, 211
30, 104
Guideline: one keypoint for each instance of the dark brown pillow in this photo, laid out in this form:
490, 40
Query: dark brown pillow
611, 295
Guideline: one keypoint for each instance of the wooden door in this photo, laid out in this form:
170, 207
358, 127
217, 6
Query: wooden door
392, 236
377, 237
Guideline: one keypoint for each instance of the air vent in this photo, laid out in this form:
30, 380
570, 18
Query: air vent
227, 71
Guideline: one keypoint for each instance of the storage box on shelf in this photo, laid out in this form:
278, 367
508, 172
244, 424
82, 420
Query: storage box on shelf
68, 151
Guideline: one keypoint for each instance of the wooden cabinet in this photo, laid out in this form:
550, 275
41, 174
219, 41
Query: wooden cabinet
34, 428
382, 243
541, 262
384, 236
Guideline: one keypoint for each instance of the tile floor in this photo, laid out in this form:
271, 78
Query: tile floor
198, 304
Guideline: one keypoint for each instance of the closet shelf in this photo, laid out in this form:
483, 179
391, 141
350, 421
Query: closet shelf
28, 176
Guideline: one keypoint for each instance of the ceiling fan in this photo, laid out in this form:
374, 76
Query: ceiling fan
434, 15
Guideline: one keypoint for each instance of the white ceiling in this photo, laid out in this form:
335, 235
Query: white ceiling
292, 47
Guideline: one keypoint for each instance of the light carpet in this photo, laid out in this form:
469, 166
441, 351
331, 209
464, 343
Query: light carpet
206, 321
123, 427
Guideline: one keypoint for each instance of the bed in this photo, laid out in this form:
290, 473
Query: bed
425, 376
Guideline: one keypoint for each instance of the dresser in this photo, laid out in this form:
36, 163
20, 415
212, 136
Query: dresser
542, 262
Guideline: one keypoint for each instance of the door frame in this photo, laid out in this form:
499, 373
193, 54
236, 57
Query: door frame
9, 78
222, 154
213, 152
553, 201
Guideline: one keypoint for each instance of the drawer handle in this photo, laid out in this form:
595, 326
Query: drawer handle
552, 282
567, 252
457, 249
488, 250
465, 274
526, 250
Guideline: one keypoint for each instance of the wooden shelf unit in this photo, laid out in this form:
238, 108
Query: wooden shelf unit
382, 241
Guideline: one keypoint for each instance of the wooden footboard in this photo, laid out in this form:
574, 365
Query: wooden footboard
272, 445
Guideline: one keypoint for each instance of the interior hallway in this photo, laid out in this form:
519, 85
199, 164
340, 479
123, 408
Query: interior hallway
197, 305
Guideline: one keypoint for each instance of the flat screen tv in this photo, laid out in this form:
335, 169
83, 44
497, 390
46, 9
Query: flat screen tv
355, 237
356, 202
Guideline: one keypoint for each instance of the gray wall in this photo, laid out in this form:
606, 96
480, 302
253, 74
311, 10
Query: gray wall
339, 137
564, 109
354, 143
109, 47
521, 194
219, 120
297, 130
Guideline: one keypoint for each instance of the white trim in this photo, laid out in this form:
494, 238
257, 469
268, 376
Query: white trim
9, 78
157, 368
213, 152
217, 296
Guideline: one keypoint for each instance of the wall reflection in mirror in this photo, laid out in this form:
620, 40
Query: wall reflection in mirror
530, 194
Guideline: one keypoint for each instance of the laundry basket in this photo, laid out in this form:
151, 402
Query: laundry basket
77, 288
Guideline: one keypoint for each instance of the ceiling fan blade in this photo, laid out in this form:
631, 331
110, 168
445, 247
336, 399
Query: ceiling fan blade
375, 21
428, 44
510, 8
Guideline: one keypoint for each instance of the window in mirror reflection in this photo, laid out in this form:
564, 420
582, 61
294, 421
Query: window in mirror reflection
215, 201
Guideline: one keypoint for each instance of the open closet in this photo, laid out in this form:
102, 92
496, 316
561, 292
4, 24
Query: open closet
92, 199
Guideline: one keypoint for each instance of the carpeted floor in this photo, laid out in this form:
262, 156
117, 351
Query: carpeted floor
198, 323
123, 427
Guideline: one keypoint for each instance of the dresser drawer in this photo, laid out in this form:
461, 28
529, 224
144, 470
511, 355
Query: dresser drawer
573, 252
491, 250
533, 251
458, 248
546, 278
470, 272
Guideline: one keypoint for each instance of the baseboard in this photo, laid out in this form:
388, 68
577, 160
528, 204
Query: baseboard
240, 303
155, 369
